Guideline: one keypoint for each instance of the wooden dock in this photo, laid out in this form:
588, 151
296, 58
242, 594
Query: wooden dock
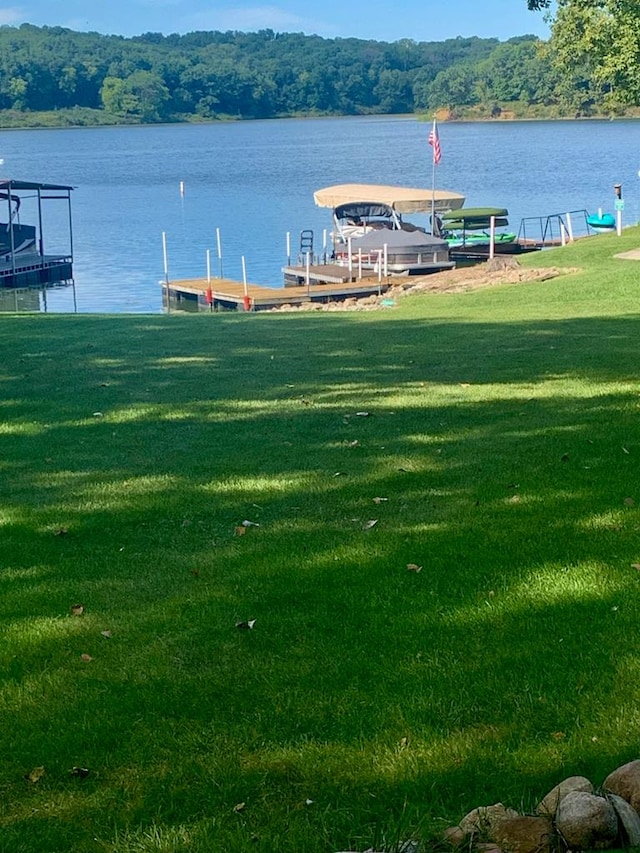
225, 294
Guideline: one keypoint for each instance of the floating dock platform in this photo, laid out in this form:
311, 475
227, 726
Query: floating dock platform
225, 294
33, 270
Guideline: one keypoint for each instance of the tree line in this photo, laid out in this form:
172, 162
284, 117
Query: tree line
208, 75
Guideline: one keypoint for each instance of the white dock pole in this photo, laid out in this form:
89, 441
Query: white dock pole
619, 223
182, 189
379, 266
209, 266
563, 236
492, 238
165, 258
219, 242
570, 227
386, 259
288, 248
349, 255
308, 269
324, 245
359, 264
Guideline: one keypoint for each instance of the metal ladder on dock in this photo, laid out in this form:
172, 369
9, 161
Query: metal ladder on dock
306, 246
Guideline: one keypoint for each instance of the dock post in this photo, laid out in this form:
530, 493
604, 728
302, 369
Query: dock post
219, 242
308, 270
569, 227
288, 248
324, 245
386, 260
359, 264
165, 258
350, 258
246, 301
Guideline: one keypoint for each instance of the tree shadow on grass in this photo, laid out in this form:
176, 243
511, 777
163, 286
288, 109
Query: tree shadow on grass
506, 455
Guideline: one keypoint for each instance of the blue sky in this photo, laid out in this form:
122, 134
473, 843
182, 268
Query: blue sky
385, 20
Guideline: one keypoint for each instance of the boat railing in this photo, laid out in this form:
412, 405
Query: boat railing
555, 229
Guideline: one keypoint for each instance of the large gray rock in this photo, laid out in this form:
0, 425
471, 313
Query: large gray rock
586, 821
483, 820
524, 834
628, 818
625, 782
549, 805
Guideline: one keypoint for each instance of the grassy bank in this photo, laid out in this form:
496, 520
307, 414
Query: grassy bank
493, 438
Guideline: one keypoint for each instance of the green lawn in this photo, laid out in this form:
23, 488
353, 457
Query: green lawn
369, 703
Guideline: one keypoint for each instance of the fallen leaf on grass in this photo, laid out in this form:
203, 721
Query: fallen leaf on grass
106, 634
246, 626
239, 807
414, 567
629, 502
86, 658
77, 609
240, 531
369, 524
558, 735
61, 531
79, 772
636, 566
624, 450
354, 443
362, 414
379, 500
35, 775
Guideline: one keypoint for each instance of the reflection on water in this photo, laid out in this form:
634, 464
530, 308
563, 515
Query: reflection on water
17, 300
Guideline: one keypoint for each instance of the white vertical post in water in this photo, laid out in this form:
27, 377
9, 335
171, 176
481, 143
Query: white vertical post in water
182, 188
492, 238
570, 227
165, 258
208, 266
288, 248
219, 242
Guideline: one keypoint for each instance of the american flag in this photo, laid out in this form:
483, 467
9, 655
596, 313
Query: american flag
434, 141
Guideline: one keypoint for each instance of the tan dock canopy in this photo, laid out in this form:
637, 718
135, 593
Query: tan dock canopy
401, 199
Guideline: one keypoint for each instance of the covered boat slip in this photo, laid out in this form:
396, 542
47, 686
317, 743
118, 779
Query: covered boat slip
369, 230
26, 257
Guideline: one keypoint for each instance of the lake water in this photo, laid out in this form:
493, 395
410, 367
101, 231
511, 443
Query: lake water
255, 181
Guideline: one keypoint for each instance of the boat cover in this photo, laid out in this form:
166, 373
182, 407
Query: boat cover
401, 199
398, 241
469, 213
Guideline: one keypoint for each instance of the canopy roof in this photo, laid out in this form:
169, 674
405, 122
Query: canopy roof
401, 199
8, 184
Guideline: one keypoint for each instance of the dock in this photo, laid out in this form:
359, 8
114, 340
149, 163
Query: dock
219, 294
32, 269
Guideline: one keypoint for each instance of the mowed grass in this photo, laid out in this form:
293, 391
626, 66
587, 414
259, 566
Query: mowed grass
369, 703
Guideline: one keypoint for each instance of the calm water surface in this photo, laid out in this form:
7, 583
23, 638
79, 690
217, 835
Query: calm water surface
255, 181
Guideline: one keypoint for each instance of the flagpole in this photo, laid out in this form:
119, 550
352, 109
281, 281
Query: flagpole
433, 179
